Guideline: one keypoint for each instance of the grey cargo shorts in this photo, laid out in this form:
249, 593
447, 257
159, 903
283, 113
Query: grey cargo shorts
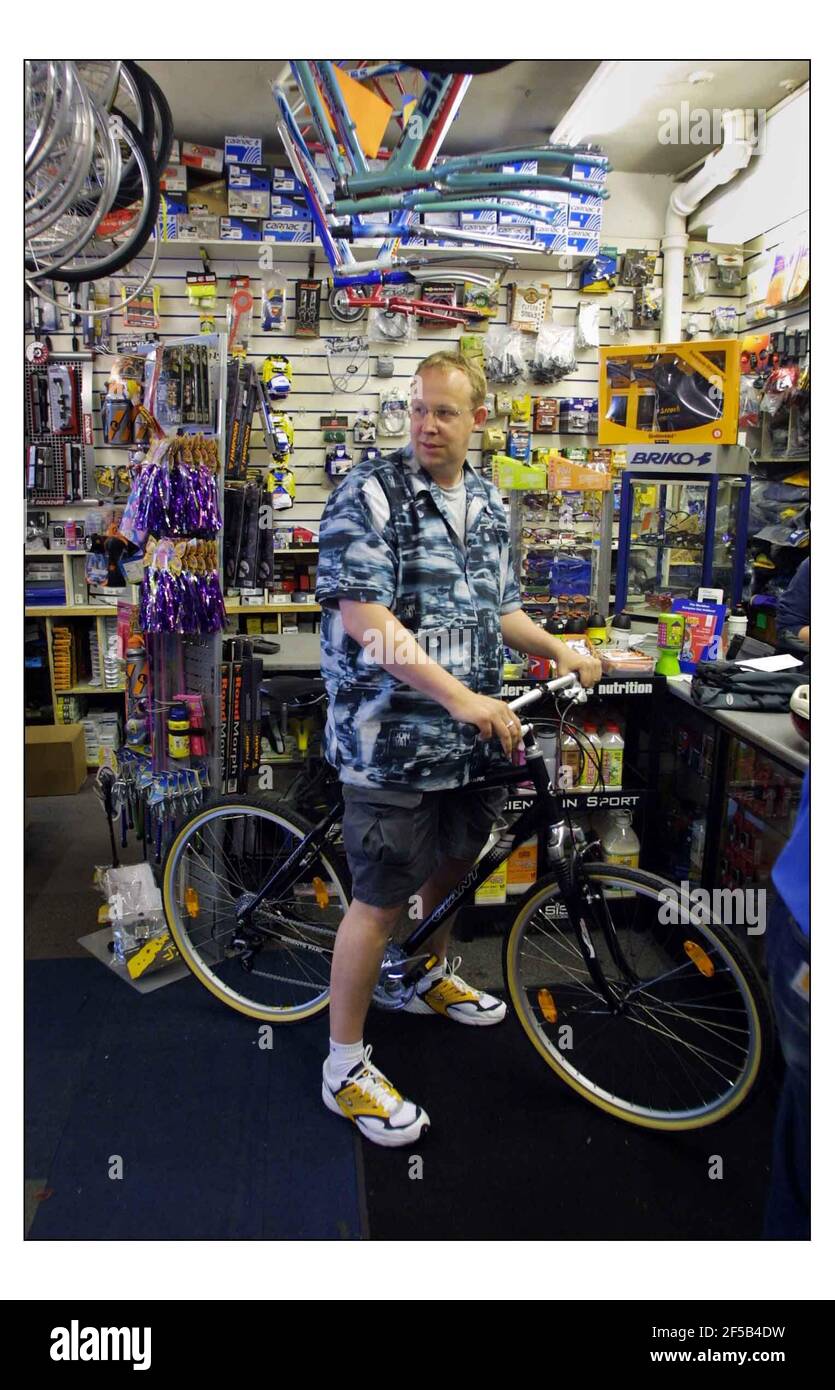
395, 838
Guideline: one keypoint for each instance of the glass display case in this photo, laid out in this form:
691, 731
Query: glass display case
678, 533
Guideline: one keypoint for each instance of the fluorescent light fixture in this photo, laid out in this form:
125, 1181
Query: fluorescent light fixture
613, 96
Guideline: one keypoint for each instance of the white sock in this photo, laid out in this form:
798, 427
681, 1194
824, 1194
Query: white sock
342, 1058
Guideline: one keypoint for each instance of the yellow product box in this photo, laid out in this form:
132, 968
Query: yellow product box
521, 868
253, 625
670, 393
511, 475
494, 889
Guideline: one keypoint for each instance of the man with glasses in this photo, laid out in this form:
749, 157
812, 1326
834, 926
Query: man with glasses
418, 599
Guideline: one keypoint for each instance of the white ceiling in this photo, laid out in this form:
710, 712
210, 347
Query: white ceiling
520, 103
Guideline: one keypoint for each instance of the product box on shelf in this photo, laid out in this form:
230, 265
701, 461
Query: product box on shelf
580, 244
485, 215
241, 229
553, 219
204, 157
242, 149
520, 232
210, 199
251, 176
282, 210
589, 173
585, 220
169, 210
439, 219
285, 181
174, 178
287, 231
198, 227
249, 202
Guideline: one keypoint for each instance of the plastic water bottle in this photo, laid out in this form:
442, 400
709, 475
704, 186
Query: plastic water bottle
612, 745
591, 750
620, 844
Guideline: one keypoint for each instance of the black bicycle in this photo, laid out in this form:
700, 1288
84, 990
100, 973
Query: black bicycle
644, 1008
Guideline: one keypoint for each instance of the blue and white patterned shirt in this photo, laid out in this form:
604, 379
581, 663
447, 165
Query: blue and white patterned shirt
388, 536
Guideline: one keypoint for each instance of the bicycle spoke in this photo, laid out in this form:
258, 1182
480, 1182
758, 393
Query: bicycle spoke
678, 1042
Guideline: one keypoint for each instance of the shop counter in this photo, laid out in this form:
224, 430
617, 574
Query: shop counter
728, 791
774, 733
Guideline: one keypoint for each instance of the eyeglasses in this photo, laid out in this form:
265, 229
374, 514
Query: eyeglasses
445, 414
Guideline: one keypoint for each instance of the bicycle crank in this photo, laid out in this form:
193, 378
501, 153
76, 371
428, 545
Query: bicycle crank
390, 992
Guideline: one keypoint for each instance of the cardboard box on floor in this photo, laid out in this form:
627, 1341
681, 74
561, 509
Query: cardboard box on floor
56, 760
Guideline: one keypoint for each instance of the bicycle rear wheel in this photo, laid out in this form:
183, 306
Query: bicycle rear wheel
276, 966
694, 1030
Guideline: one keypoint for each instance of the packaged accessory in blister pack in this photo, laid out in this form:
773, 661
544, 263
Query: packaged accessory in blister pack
647, 306
588, 325
555, 353
239, 315
723, 320
95, 295
504, 358
273, 302
621, 319
394, 413
386, 327
698, 273
637, 267
729, 269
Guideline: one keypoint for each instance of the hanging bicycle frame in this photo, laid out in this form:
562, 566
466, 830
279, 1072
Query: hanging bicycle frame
411, 182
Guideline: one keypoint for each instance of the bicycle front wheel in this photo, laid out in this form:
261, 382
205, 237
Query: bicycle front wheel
691, 1029
275, 962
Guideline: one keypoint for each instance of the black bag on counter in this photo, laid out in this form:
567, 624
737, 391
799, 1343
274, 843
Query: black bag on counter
724, 685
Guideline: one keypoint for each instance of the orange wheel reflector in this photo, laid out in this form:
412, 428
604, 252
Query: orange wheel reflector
545, 999
192, 902
321, 892
700, 958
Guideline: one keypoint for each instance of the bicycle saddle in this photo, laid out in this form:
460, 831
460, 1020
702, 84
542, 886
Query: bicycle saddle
294, 691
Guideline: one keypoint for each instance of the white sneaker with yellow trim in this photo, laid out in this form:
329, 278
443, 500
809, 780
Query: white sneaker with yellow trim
447, 994
368, 1099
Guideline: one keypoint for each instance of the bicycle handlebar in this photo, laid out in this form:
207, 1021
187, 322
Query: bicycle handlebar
566, 686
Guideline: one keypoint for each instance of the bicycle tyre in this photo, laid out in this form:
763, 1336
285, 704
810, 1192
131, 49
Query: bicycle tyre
129, 250
161, 144
251, 1001
570, 1004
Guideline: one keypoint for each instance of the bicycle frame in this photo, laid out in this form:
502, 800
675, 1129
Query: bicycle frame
405, 186
545, 812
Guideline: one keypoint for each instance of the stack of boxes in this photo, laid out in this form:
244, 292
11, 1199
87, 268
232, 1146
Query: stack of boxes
245, 201
572, 222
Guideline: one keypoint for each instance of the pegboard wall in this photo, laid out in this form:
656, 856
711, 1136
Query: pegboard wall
312, 394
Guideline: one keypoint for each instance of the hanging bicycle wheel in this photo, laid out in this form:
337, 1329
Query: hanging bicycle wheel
693, 1029
276, 965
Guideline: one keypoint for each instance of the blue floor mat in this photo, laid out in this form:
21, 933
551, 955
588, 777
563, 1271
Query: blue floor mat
218, 1139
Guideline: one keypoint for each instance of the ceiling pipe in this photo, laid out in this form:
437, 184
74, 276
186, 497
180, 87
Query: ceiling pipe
719, 168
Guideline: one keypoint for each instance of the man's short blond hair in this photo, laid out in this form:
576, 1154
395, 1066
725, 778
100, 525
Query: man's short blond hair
456, 362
